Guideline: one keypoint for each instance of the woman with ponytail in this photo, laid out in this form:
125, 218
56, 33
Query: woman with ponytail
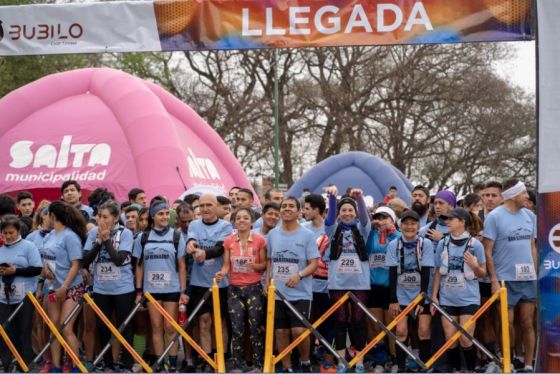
161, 270
61, 261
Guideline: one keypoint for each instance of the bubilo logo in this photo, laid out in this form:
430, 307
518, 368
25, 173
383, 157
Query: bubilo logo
200, 167
46, 31
53, 156
554, 238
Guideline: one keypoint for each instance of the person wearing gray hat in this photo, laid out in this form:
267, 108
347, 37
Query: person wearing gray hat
410, 260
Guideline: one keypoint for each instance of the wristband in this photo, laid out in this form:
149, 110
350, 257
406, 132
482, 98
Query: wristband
185, 292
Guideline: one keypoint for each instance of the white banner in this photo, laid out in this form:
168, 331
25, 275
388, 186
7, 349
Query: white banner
548, 13
78, 28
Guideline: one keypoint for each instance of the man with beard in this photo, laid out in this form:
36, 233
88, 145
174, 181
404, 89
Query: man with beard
421, 203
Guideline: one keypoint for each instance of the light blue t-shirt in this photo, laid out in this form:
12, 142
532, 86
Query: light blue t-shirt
108, 278
87, 209
160, 261
289, 253
379, 272
319, 285
408, 281
37, 237
22, 254
441, 227
348, 272
206, 237
454, 289
60, 249
512, 234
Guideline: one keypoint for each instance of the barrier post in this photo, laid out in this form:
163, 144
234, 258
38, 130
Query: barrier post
219, 358
116, 333
12, 348
55, 332
505, 328
269, 337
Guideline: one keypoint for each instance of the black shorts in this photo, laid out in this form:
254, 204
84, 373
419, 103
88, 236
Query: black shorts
456, 311
167, 297
378, 297
485, 289
425, 311
284, 318
196, 295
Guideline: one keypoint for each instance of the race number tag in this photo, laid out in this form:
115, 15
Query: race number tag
107, 272
159, 279
17, 291
240, 264
51, 265
525, 272
284, 270
349, 264
212, 261
455, 281
409, 280
376, 260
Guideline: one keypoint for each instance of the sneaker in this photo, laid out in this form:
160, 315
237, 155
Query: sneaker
306, 368
255, 370
186, 368
288, 370
492, 367
46, 367
100, 367
56, 370
395, 368
89, 366
379, 369
67, 367
517, 364
341, 368
172, 369
525, 370
327, 367
75, 369
359, 369
236, 371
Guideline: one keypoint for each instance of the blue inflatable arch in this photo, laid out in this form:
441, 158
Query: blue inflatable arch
355, 169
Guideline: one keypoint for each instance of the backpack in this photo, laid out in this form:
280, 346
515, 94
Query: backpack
359, 244
116, 240
419, 249
176, 238
469, 275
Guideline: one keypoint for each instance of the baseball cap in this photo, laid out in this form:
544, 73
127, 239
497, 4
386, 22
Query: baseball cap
458, 213
386, 211
410, 214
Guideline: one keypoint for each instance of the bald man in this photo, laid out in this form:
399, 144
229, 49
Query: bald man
205, 242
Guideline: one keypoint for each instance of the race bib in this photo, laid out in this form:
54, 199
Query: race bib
376, 260
349, 264
159, 279
525, 272
212, 261
51, 265
409, 280
107, 272
284, 270
455, 281
240, 264
17, 291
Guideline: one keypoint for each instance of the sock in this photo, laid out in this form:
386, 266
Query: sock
173, 361
401, 358
470, 357
425, 350
454, 358
529, 367
306, 363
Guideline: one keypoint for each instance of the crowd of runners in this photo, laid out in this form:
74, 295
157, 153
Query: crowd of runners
316, 247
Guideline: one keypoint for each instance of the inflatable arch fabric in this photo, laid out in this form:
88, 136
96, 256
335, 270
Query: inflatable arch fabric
106, 128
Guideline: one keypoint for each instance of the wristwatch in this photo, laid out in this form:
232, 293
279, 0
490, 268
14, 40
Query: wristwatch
300, 274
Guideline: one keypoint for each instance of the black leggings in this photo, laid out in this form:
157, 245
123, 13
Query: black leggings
19, 331
121, 305
349, 312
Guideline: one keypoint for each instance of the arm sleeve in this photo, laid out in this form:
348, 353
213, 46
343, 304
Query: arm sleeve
215, 251
118, 257
331, 216
30, 271
393, 285
90, 255
362, 211
425, 279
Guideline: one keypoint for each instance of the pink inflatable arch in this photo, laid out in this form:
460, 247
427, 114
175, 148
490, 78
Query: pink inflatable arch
106, 128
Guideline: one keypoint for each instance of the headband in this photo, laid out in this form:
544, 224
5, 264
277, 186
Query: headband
157, 207
511, 192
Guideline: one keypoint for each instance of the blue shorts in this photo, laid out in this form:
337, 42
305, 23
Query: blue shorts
521, 291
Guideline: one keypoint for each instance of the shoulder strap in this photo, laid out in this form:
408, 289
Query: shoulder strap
470, 245
419, 251
433, 225
176, 240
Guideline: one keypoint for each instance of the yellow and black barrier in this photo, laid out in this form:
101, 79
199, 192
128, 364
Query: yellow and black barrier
13, 349
218, 363
116, 333
56, 333
270, 360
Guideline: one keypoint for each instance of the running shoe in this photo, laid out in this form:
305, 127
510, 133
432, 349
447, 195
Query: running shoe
46, 367
359, 369
341, 368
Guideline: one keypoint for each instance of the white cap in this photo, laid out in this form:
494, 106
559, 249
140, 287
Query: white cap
386, 211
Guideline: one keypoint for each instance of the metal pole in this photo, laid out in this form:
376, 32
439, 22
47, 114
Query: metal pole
276, 124
13, 315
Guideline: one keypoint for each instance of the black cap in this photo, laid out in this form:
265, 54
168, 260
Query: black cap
458, 213
410, 214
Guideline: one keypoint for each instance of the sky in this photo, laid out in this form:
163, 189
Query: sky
521, 69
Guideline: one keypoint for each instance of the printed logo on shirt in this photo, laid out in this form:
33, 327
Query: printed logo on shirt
520, 234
